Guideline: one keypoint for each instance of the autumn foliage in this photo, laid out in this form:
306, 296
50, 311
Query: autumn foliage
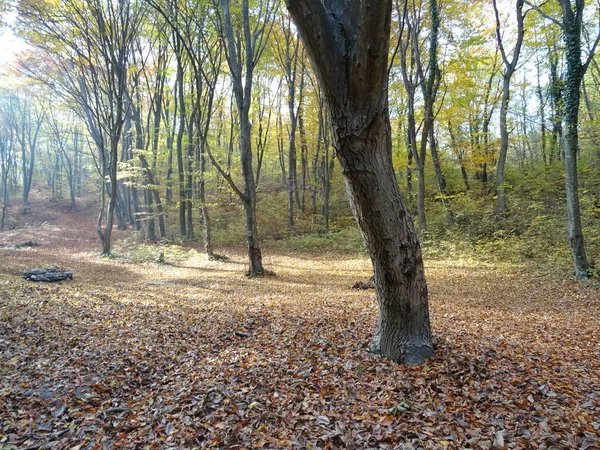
191, 354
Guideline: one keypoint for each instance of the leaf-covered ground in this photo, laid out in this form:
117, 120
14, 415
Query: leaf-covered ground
194, 355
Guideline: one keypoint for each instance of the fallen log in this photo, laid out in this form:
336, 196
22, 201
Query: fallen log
24, 245
49, 275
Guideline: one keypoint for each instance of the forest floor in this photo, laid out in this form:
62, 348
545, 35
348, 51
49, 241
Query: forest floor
193, 354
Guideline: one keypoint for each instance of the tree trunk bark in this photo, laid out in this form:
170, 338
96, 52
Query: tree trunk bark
542, 112
556, 97
249, 201
179, 151
404, 332
574, 75
500, 168
189, 183
106, 235
509, 66
348, 47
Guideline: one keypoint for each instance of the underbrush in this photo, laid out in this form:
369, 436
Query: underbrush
534, 231
134, 251
346, 240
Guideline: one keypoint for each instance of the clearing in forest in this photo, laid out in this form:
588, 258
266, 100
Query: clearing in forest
195, 355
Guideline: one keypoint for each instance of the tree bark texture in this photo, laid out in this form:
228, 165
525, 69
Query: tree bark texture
575, 72
348, 45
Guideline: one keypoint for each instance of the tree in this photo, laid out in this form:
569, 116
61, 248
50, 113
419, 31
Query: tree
89, 45
243, 49
348, 44
409, 49
66, 141
572, 25
7, 141
288, 52
510, 65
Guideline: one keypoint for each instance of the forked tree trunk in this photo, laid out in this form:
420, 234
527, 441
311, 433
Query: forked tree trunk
242, 77
348, 46
510, 65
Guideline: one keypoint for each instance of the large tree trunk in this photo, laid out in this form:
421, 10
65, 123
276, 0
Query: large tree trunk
348, 47
404, 332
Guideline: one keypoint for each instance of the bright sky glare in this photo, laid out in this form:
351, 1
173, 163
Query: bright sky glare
10, 44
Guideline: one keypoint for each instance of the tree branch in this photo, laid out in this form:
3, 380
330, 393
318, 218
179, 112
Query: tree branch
543, 14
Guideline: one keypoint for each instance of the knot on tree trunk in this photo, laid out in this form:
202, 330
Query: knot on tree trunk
49, 275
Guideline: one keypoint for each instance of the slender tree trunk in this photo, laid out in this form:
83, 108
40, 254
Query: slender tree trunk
435, 157
5, 168
542, 113
135, 197
510, 65
148, 179
106, 243
420, 163
150, 224
500, 167
574, 76
242, 89
556, 97
189, 183
249, 200
280, 150
203, 136
315, 168
571, 145
303, 161
459, 154
155, 137
106, 234
170, 139
328, 162
119, 207
179, 151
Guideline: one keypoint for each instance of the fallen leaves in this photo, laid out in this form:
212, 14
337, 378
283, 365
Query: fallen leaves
195, 355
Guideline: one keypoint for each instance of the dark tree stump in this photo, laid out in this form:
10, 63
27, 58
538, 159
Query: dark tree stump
363, 285
49, 275
369, 284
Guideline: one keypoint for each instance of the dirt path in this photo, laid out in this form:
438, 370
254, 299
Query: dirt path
194, 355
